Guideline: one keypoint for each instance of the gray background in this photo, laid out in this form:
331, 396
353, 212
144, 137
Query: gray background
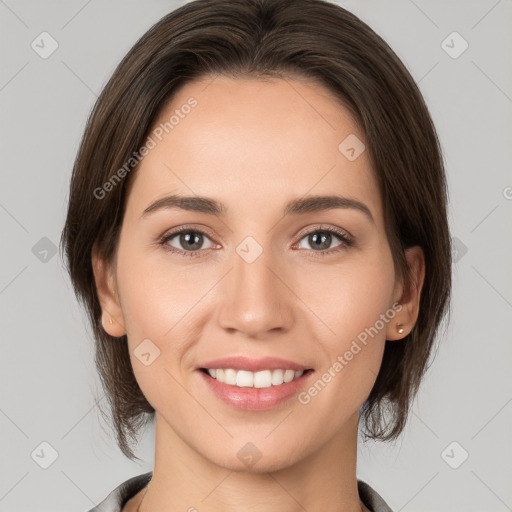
48, 379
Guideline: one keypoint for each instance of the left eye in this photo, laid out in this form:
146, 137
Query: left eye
321, 240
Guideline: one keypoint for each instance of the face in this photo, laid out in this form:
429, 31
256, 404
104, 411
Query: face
261, 272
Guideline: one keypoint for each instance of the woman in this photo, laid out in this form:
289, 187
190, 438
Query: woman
257, 227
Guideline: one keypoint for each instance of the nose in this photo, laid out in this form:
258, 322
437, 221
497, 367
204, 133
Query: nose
255, 298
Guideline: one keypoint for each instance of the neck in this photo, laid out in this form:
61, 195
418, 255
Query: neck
184, 480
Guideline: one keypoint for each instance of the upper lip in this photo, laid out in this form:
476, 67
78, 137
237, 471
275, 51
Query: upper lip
253, 365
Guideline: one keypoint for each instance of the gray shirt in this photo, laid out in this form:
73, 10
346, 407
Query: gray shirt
117, 499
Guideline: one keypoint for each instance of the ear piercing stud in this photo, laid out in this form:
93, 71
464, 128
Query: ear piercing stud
399, 328
110, 320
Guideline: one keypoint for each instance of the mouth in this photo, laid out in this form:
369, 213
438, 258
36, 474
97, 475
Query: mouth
254, 384
260, 379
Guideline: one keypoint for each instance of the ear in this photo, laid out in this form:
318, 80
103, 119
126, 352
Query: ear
111, 314
408, 297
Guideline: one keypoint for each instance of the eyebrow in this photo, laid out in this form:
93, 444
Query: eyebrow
295, 207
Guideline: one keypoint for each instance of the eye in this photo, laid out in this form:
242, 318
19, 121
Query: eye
186, 241
321, 240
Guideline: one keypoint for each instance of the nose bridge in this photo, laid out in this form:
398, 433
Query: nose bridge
254, 300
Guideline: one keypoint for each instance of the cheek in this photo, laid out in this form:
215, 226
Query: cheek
155, 300
161, 303
155, 296
350, 298
353, 304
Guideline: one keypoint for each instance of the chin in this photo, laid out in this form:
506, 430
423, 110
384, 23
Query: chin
258, 457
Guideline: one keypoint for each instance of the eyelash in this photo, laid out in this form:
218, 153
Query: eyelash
346, 241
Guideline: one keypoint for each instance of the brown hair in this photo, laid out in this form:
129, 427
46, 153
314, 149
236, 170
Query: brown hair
314, 39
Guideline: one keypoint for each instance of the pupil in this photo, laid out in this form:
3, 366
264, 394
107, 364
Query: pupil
319, 241
193, 241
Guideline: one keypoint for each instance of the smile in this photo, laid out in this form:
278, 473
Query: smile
248, 379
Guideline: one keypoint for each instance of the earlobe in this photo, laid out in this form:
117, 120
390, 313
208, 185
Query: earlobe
405, 319
111, 314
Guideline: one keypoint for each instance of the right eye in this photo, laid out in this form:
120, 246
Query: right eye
190, 241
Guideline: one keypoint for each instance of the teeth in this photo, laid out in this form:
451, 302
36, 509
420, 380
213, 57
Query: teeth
261, 379
230, 377
277, 377
288, 375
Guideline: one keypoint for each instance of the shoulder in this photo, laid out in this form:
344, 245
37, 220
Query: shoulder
115, 501
371, 498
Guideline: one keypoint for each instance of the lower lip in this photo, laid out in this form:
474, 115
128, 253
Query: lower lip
255, 399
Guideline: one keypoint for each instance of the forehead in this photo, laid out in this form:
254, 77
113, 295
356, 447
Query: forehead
269, 141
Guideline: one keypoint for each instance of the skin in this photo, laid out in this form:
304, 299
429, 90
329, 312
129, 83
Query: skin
254, 145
